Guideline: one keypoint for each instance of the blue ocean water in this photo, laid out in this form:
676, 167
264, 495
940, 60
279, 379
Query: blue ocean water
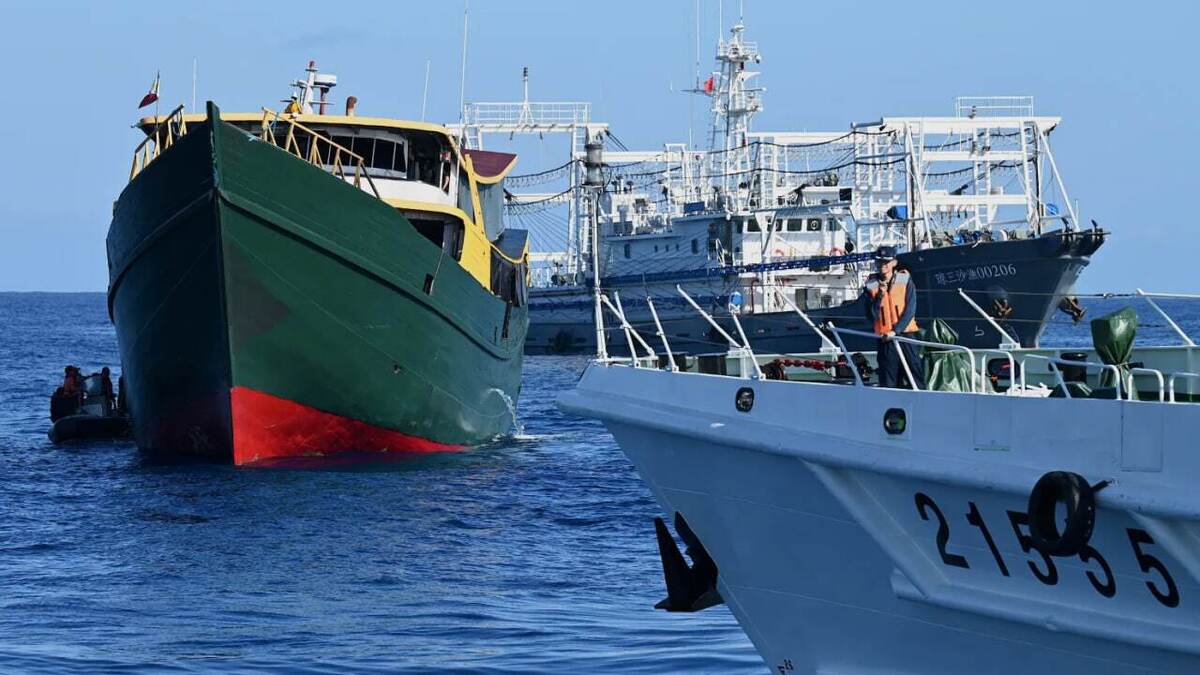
533, 554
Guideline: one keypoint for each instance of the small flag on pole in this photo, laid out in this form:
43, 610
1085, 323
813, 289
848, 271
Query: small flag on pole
709, 85
153, 95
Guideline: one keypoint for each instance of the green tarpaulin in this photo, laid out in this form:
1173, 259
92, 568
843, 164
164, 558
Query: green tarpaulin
945, 370
1112, 336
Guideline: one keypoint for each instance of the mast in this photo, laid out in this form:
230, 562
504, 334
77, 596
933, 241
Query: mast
425, 91
462, 81
735, 102
593, 183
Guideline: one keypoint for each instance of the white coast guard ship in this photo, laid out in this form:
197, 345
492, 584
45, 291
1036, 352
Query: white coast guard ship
1038, 514
771, 219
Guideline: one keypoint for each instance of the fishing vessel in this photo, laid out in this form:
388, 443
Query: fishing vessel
774, 219
299, 283
1035, 511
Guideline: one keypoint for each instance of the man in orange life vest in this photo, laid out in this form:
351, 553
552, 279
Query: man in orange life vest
892, 308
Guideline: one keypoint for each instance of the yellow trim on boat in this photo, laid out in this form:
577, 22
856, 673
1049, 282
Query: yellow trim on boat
477, 249
475, 259
468, 224
413, 205
334, 120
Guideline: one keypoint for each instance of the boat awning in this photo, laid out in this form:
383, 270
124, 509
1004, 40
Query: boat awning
490, 167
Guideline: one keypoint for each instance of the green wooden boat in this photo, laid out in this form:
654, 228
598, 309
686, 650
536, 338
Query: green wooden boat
290, 285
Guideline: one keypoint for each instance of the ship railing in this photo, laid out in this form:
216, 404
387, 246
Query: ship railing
1171, 382
1168, 383
662, 335
1149, 297
978, 367
1056, 362
897, 340
742, 350
827, 345
315, 148
167, 130
632, 336
1007, 341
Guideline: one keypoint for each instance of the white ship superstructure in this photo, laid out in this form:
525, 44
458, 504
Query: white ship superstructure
1037, 515
768, 219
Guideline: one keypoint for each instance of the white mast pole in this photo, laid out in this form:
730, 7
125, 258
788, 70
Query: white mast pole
695, 86
601, 348
462, 83
425, 92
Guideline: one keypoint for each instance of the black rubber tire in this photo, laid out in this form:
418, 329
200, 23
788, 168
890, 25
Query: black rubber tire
1080, 499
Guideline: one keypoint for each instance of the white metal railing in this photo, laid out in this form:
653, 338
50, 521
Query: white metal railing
527, 113
630, 332
826, 343
832, 342
743, 349
858, 381
662, 335
1007, 341
991, 106
898, 339
1132, 388
1055, 362
1171, 383
1149, 297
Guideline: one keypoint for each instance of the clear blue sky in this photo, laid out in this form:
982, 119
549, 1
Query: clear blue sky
1123, 76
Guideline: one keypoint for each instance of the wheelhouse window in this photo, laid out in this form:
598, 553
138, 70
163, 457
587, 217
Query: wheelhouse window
384, 157
431, 160
814, 224
385, 153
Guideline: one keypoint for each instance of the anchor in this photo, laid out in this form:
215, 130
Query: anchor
1070, 306
689, 589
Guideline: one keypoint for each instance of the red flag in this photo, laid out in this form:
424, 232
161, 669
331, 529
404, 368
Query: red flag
152, 96
710, 84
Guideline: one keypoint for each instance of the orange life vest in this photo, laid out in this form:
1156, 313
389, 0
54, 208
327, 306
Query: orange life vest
892, 306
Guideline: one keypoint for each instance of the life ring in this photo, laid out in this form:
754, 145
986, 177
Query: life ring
835, 252
1080, 499
778, 253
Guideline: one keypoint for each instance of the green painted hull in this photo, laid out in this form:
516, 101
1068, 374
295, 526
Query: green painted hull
236, 267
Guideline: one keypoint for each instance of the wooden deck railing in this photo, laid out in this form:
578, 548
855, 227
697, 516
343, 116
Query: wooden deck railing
167, 130
315, 148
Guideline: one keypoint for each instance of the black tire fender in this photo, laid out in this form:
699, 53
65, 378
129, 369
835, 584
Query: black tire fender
1080, 499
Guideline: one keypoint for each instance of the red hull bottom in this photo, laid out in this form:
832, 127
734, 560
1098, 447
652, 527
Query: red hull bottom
272, 430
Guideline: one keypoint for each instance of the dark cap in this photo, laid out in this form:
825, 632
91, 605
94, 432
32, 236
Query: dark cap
885, 253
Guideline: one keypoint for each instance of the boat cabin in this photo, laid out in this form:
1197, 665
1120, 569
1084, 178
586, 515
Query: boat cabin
454, 197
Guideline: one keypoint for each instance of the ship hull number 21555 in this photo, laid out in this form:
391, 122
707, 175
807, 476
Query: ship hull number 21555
1159, 582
